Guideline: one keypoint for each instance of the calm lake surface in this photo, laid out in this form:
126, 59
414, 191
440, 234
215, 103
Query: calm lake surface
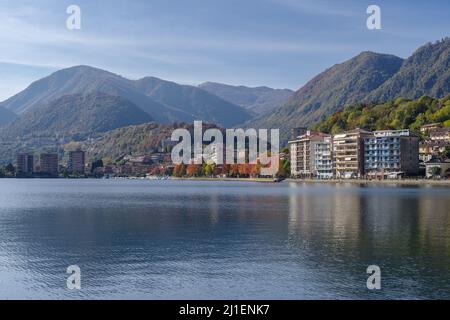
222, 240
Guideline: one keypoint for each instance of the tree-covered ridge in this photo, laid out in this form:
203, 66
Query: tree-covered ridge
397, 114
76, 114
426, 72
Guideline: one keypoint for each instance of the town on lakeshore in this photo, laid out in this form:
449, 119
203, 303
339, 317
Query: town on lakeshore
354, 154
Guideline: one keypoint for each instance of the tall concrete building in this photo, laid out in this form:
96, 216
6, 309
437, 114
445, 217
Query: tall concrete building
323, 158
25, 164
391, 151
77, 162
348, 153
304, 150
49, 164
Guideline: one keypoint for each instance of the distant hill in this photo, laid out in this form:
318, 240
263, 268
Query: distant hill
397, 114
258, 99
6, 116
192, 104
197, 103
76, 115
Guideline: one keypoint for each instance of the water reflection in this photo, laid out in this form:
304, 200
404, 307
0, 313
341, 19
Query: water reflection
403, 230
140, 239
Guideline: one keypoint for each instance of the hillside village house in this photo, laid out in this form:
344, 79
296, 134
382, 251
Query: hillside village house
430, 127
440, 134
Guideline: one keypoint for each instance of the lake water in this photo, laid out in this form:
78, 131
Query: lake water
222, 240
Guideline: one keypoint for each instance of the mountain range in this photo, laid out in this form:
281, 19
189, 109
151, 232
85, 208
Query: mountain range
368, 77
81, 101
163, 101
258, 100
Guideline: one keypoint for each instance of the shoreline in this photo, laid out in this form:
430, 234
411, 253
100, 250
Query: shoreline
417, 182
261, 180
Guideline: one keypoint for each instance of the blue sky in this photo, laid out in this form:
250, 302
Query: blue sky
279, 43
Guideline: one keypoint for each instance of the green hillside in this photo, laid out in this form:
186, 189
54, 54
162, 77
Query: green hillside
397, 114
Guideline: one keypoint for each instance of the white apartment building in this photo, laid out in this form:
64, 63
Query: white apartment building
311, 155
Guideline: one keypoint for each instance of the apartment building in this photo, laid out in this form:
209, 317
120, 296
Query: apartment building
303, 154
25, 164
323, 158
348, 153
49, 164
77, 162
391, 152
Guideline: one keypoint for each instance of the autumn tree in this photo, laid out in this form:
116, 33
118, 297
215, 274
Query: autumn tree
179, 170
208, 170
194, 170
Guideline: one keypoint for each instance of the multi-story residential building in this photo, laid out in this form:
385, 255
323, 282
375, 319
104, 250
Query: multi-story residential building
77, 162
303, 154
49, 164
323, 158
348, 153
391, 152
25, 164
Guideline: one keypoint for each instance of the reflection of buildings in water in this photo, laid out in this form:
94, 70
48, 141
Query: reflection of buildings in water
316, 210
214, 208
374, 219
434, 224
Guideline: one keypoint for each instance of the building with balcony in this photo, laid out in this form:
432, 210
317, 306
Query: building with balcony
323, 158
77, 162
348, 153
24, 164
390, 152
49, 164
303, 154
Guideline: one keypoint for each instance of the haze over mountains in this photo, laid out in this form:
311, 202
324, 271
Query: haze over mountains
368, 77
258, 100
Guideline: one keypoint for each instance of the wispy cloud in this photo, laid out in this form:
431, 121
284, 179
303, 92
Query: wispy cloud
317, 7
